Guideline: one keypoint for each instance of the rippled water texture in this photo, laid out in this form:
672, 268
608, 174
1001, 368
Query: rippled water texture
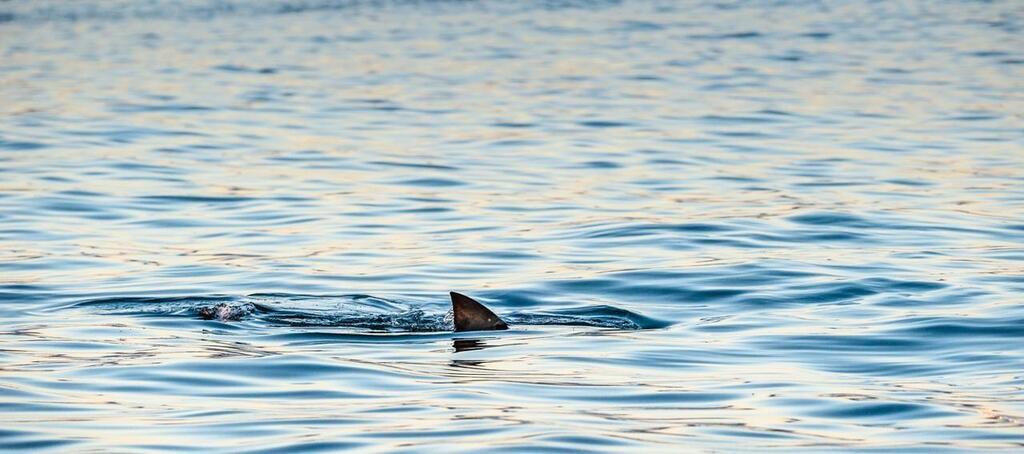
713, 225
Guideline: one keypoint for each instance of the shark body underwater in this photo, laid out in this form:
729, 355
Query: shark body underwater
468, 314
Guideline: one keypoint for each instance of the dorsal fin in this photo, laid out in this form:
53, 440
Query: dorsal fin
470, 315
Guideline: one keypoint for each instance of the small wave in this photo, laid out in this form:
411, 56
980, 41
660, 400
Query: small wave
603, 123
430, 182
63, 11
595, 316
833, 219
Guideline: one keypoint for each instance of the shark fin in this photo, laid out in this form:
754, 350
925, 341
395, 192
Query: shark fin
470, 315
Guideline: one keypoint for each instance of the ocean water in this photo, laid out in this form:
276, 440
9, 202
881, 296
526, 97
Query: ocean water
712, 225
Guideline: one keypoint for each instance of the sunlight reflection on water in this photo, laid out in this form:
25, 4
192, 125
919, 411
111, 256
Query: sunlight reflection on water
779, 225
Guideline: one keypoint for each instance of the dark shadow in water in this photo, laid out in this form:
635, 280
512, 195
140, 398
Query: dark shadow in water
468, 345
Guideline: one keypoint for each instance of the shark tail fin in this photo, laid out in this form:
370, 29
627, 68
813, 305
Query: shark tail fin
470, 315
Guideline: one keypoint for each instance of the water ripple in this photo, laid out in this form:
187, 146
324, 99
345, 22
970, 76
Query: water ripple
709, 225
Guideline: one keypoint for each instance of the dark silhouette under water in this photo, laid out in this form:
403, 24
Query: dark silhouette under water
469, 314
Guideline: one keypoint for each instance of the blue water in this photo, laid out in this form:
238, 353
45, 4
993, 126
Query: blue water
711, 225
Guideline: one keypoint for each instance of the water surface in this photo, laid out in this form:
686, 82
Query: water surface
787, 224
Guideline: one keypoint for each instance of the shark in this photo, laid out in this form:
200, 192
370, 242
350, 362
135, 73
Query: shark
468, 314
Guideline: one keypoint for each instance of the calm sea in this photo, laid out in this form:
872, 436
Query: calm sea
713, 225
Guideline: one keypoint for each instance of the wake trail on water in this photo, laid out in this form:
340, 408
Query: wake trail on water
358, 312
